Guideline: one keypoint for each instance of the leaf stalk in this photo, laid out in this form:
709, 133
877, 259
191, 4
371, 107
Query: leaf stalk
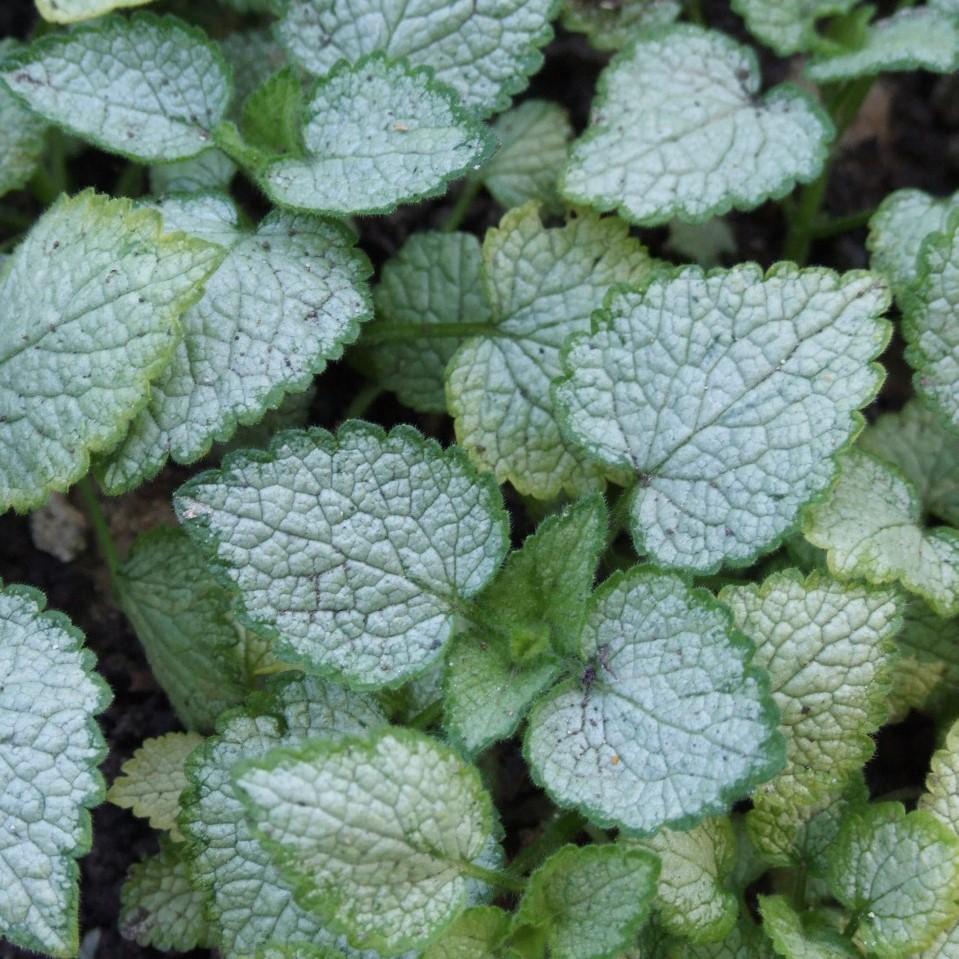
100, 526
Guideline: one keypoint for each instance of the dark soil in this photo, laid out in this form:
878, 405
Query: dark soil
907, 135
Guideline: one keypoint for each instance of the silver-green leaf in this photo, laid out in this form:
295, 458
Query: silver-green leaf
50, 748
159, 905
679, 130
353, 551
22, 133
871, 527
899, 873
250, 905
382, 836
146, 87
916, 39
727, 394
91, 299
897, 230
543, 284
668, 722
434, 279
931, 323
483, 49
285, 301
377, 134
589, 902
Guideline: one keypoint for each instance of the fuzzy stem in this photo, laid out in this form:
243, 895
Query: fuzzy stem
800, 235
826, 227
428, 716
461, 207
696, 12
493, 877
360, 404
843, 104
852, 926
561, 830
52, 179
799, 887
101, 529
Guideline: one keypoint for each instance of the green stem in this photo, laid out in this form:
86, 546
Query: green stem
903, 794
834, 226
428, 716
393, 332
599, 836
800, 235
272, 669
799, 888
101, 529
130, 181
561, 830
852, 926
696, 12
462, 205
228, 138
619, 514
364, 399
843, 104
52, 179
493, 877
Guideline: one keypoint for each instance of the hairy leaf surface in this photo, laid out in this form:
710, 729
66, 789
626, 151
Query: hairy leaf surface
927, 667
91, 299
251, 905
871, 527
827, 648
794, 938
917, 39
146, 87
900, 873
610, 26
897, 230
476, 933
679, 130
788, 26
353, 551
435, 278
209, 170
21, 133
378, 834
50, 748
198, 652
694, 898
153, 778
533, 144
159, 906
285, 300
589, 902
533, 614
377, 134
668, 723
543, 284
483, 49
916, 440
727, 393
931, 324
